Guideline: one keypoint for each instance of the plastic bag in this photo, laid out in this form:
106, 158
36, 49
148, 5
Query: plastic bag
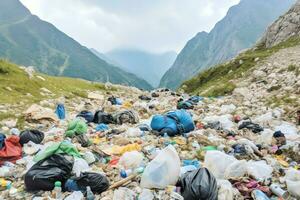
163, 170
225, 190
76, 195
146, 194
98, 182
199, 184
288, 129
228, 109
80, 165
88, 116
12, 150
236, 170
76, 127
130, 160
45, 173
259, 169
31, 135
265, 137
292, 178
60, 111
224, 120
133, 132
31, 148
124, 194
217, 162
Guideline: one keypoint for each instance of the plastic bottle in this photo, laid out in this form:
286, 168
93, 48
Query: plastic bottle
276, 189
125, 173
4, 184
57, 190
89, 194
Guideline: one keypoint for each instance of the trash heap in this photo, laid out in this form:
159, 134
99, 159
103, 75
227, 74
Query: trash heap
136, 145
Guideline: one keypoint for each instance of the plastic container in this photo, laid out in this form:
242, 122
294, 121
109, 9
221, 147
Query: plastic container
57, 190
125, 173
276, 189
4, 184
89, 194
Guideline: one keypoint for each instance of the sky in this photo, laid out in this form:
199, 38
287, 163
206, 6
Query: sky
151, 25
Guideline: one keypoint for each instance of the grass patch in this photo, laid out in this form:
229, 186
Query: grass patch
216, 80
285, 100
292, 68
29, 90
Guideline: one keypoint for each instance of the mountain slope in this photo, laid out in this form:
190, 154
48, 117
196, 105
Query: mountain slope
269, 71
29, 41
20, 85
104, 57
238, 30
149, 66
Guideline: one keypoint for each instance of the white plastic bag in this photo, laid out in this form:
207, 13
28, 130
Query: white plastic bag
131, 160
259, 169
264, 119
163, 170
225, 190
76, 195
146, 194
288, 129
225, 121
265, 137
80, 165
228, 109
292, 178
236, 170
124, 194
133, 132
89, 157
217, 162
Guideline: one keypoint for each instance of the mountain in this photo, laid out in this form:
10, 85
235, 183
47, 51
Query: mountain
238, 30
104, 57
27, 40
283, 28
149, 66
268, 72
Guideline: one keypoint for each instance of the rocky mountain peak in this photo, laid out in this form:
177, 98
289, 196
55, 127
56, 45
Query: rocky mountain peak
285, 27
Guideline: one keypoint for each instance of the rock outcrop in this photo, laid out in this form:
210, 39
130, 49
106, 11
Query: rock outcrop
285, 27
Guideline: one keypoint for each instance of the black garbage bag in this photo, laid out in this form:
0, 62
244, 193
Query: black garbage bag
98, 182
199, 184
126, 116
103, 117
31, 135
154, 95
87, 115
45, 173
255, 128
83, 140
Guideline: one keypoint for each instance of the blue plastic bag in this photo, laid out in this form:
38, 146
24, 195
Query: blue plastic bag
60, 111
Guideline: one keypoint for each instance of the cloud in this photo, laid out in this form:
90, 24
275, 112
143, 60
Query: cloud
153, 25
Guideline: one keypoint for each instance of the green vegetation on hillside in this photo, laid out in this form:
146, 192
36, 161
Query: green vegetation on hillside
217, 81
27, 40
16, 86
242, 26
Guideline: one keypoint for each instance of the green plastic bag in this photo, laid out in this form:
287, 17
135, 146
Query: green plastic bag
76, 127
58, 148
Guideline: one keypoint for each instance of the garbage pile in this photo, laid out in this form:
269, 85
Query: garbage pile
151, 145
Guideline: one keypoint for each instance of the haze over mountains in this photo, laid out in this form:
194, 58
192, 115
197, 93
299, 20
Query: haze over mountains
29, 41
243, 25
146, 65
